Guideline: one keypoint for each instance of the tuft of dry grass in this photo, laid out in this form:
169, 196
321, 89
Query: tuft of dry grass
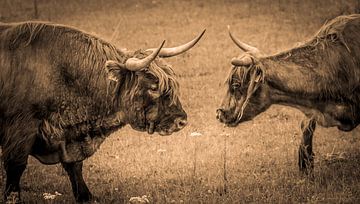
255, 162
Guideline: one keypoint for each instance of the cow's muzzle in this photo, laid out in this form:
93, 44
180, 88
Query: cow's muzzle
178, 124
223, 117
220, 115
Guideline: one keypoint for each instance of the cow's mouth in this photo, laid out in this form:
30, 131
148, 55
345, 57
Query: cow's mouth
164, 133
151, 128
235, 122
232, 123
167, 127
230, 120
167, 132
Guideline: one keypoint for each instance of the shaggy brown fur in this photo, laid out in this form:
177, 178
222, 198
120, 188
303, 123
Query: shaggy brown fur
58, 99
321, 78
81, 76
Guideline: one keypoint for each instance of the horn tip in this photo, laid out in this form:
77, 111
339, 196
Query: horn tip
163, 42
229, 31
202, 33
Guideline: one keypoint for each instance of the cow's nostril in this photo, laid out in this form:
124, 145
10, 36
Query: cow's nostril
219, 113
181, 123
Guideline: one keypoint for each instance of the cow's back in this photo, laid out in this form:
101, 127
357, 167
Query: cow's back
45, 67
351, 37
22, 66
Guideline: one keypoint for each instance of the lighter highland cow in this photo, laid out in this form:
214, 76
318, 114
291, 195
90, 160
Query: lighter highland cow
64, 91
321, 78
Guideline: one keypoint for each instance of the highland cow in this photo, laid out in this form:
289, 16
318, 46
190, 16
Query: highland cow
63, 91
321, 78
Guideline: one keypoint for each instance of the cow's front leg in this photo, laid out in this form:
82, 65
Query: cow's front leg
14, 171
80, 190
306, 155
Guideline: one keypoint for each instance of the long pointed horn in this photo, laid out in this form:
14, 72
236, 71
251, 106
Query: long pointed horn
245, 47
170, 52
135, 64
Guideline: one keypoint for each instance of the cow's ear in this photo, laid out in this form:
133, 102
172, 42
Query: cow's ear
114, 70
259, 75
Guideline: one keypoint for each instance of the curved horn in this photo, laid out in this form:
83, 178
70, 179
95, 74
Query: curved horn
170, 52
245, 47
135, 64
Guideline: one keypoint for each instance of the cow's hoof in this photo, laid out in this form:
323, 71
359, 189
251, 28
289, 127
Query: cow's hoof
13, 198
306, 161
87, 198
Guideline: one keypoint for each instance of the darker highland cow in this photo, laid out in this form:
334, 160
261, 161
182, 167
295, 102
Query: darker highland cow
64, 91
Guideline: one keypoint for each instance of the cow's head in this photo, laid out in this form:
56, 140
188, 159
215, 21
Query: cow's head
247, 94
146, 90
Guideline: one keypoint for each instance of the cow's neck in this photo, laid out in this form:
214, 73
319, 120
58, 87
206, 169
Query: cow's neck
281, 97
292, 85
293, 78
288, 83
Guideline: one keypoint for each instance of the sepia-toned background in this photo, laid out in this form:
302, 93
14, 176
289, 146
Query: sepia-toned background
254, 162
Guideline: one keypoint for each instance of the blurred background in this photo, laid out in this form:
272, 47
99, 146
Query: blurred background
254, 162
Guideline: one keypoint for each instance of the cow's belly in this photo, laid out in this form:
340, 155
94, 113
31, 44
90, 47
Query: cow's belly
50, 158
345, 115
334, 115
42, 153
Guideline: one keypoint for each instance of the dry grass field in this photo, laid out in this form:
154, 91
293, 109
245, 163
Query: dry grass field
254, 162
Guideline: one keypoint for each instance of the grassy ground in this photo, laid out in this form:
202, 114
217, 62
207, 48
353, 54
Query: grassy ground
260, 156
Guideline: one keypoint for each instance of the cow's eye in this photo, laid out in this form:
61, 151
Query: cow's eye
154, 91
235, 86
154, 87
